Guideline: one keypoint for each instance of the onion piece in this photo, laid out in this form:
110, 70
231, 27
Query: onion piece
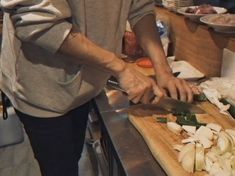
231, 132
227, 155
222, 172
215, 168
189, 159
189, 129
199, 158
212, 156
225, 164
189, 140
174, 127
223, 144
178, 147
214, 126
205, 141
208, 163
186, 148
232, 143
204, 132
232, 161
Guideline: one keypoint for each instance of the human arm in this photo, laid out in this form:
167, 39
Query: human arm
139, 87
44, 23
148, 37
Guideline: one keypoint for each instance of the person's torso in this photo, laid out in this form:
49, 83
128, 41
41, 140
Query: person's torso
34, 78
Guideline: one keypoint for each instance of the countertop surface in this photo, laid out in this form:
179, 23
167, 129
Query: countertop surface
131, 150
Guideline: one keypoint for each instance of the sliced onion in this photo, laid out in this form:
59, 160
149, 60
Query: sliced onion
214, 126
208, 163
188, 160
174, 127
223, 144
189, 129
178, 147
199, 158
204, 132
187, 148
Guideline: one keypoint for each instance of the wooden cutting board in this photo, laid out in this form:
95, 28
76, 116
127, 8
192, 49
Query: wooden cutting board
160, 140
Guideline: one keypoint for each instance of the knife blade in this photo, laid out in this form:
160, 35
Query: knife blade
143, 110
168, 104
174, 105
165, 106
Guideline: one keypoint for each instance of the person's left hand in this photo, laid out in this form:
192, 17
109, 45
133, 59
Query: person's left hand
175, 87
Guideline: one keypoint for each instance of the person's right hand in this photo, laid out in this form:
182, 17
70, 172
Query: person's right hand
139, 87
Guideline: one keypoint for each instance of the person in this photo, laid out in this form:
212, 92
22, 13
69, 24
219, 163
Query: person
57, 55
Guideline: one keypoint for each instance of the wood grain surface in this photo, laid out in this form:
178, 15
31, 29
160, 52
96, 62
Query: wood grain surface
196, 43
160, 140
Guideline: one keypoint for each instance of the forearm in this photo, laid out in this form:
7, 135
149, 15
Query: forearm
83, 51
149, 39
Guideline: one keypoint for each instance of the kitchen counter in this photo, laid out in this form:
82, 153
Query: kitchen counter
196, 43
125, 149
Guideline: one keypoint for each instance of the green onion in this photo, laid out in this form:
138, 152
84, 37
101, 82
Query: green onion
162, 119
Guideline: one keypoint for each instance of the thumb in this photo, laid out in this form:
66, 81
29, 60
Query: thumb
158, 92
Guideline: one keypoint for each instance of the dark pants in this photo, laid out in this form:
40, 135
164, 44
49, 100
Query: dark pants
57, 142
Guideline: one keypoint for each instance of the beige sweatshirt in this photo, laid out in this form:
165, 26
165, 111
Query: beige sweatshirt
38, 80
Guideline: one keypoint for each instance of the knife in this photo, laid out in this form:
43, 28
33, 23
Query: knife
165, 105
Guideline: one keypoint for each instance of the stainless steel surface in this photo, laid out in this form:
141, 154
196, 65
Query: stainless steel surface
130, 152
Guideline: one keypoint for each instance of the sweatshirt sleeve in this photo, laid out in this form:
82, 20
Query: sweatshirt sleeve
41, 22
138, 9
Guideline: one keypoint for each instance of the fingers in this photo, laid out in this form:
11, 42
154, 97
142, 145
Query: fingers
180, 89
195, 89
171, 87
188, 91
140, 92
146, 98
135, 99
159, 94
146, 93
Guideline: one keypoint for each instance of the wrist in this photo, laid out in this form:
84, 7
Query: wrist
160, 64
159, 70
117, 66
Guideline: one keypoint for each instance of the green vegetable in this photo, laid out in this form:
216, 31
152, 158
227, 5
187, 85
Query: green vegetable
162, 119
183, 118
231, 110
187, 119
199, 97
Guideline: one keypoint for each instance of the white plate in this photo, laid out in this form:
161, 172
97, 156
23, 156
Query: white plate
195, 17
225, 27
187, 71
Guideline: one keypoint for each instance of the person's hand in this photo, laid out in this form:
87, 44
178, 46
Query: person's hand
139, 87
175, 87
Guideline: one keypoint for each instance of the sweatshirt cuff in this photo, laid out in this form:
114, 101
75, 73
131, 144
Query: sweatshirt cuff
135, 20
139, 9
